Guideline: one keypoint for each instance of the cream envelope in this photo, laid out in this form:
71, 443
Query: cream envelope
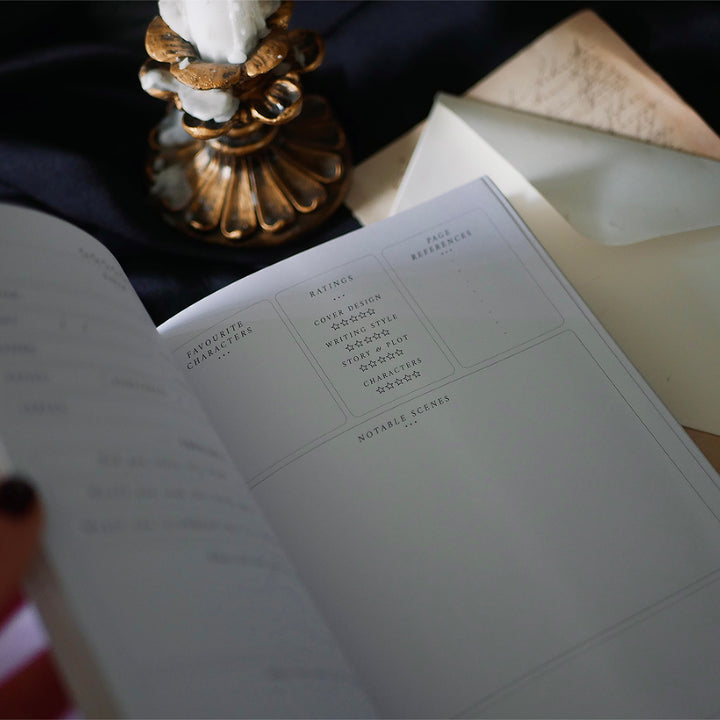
634, 227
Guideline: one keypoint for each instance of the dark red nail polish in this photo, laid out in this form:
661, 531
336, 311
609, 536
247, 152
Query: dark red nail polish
17, 496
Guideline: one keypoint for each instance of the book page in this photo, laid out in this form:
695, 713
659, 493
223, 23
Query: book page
580, 71
481, 493
177, 587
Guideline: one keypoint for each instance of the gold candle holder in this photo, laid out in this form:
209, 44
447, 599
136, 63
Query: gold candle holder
277, 168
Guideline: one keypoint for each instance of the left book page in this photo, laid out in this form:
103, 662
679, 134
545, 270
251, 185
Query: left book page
172, 595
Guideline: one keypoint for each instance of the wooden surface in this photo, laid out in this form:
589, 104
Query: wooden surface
708, 444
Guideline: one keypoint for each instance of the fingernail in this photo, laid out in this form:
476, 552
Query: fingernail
17, 496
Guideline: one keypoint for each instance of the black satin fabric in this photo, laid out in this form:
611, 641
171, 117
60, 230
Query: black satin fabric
74, 120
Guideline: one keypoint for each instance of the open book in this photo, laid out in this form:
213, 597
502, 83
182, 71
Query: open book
403, 473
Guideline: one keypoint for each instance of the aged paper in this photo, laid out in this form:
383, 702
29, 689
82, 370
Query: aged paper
581, 71
584, 73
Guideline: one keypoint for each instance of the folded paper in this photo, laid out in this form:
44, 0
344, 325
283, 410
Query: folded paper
635, 228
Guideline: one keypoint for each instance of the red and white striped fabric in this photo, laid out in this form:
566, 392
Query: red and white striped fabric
30, 686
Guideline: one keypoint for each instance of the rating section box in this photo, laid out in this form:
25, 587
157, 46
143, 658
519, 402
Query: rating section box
369, 342
474, 288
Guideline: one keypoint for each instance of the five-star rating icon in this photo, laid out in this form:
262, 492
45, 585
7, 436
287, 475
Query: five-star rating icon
402, 380
375, 343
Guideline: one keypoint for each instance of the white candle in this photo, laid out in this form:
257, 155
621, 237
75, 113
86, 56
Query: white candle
223, 31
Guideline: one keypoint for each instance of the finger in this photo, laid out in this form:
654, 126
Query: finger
20, 526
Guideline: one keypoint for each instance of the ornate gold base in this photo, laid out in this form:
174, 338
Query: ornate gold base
258, 185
